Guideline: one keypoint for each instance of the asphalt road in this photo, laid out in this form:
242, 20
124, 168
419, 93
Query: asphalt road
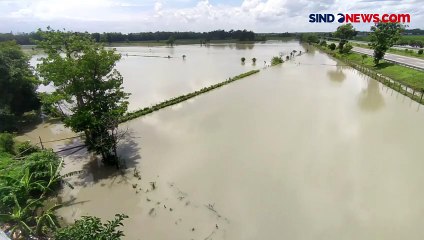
408, 61
399, 47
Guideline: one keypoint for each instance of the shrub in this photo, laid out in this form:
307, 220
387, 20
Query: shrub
42, 164
11, 168
420, 52
364, 56
6, 143
8, 122
276, 61
323, 43
347, 48
25, 148
341, 46
25, 182
88, 228
312, 38
332, 46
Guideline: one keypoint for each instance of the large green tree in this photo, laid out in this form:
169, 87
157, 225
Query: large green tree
344, 32
382, 37
88, 89
17, 82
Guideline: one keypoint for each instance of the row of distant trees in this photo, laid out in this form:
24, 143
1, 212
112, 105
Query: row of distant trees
381, 38
110, 37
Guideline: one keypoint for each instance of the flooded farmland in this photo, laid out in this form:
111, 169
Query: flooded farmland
309, 149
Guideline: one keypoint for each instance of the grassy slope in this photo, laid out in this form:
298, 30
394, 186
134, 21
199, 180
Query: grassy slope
411, 77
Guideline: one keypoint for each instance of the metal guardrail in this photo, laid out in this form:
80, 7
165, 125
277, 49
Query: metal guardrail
403, 88
395, 62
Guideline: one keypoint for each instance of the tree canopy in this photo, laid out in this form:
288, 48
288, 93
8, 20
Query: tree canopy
345, 32
88, 89
382, 37
17, 82
111, 37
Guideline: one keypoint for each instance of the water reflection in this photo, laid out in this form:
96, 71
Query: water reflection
243, 46
309, 49
219, 46
370, 98
336, 75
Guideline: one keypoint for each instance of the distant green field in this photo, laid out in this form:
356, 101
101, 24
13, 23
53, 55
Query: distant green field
413, 37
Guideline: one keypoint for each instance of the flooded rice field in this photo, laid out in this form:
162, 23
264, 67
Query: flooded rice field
309, 149
151, 77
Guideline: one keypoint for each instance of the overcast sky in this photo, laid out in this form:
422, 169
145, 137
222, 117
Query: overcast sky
191, 15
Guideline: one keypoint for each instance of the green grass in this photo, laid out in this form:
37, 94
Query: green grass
276, 61
10, 166
270, 37
175, 100
410, 77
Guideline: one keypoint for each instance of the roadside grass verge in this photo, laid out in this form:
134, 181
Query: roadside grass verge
408, 76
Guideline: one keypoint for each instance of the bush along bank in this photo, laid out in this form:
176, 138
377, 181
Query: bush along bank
30, 179
405, 80
175, 100
276, 61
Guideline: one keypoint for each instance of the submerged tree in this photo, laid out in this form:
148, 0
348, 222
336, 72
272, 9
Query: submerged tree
382, 37
276, 60
171, 40
88, 89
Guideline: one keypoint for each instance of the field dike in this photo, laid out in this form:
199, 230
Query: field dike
182, 98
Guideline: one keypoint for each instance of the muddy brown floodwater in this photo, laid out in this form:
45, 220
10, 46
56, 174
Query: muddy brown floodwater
307, 150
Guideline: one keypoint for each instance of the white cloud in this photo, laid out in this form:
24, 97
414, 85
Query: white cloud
158, 6
153, 15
